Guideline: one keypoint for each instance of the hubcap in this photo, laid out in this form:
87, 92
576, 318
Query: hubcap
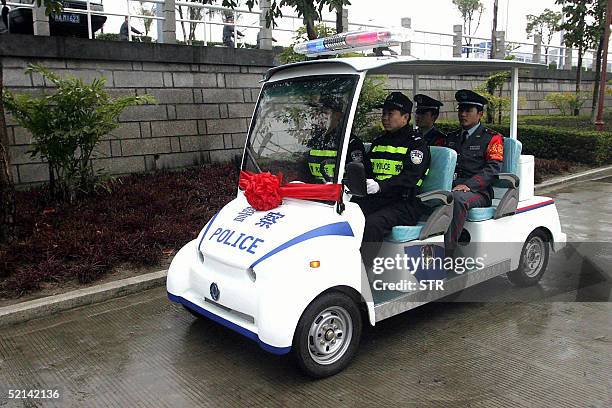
533, 257
330, 335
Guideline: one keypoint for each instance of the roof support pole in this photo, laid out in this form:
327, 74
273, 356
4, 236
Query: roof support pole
415, 91
514, 103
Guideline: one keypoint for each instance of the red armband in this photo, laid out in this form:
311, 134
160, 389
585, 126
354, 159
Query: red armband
495, 150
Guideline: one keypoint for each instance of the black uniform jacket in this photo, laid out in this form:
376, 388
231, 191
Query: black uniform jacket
434, 137
479, 158
405, 153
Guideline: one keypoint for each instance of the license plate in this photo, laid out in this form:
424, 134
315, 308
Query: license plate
68, 18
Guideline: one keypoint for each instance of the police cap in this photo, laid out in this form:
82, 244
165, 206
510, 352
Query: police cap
467, 97
425, 103
397, 101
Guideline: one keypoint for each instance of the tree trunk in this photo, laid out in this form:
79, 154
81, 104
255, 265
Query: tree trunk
339, 27
7, 189
493, 36
578, 80
310, 29
597, 79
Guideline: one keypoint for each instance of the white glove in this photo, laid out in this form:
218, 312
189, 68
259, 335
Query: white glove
372, 186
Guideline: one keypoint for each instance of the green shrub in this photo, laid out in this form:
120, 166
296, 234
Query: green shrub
549, 142
67, 126
566, 102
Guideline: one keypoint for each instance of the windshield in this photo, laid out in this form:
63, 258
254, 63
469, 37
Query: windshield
298, 128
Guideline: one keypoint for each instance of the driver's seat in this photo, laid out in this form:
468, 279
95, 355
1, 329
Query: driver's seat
436, 195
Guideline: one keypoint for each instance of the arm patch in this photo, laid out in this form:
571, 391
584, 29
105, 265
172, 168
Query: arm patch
495, 150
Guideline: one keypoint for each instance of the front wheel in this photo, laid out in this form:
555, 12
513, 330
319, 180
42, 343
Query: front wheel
327, 336
534, 259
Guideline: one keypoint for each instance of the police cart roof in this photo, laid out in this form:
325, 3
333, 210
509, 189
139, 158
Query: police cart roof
412, 66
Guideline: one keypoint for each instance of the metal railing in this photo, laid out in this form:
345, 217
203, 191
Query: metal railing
209, 25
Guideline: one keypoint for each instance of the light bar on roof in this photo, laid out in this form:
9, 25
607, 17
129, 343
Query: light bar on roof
353, 41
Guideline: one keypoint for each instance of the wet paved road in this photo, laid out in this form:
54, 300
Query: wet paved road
548, 346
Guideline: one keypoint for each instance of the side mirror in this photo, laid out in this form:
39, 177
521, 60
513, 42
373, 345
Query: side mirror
355, 179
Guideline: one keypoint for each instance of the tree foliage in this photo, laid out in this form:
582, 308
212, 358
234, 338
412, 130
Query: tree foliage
67, 126
545, 25
469, 10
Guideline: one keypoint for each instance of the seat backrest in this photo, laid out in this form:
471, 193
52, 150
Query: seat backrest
441, 170
512, 156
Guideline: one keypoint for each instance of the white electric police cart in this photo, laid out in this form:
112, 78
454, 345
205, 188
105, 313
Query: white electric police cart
292, 278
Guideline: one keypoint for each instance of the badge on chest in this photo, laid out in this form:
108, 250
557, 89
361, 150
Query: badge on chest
474, 148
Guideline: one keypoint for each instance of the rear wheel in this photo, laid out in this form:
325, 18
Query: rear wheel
327, 336
534, 259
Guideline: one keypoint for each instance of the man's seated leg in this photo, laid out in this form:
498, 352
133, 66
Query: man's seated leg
379, 224
462, 203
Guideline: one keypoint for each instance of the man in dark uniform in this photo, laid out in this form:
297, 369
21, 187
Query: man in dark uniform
324, 145
480, 153
400, 160
426, 114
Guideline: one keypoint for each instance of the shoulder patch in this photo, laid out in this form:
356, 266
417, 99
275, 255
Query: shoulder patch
416, 156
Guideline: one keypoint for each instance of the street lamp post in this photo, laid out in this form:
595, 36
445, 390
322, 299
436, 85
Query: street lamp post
599, 123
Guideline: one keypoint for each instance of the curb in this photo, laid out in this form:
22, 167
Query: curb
46, 306
562, 181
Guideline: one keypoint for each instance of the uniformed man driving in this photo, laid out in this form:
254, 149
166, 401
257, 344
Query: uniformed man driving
426, 114
400, 160
480, 153
324, 145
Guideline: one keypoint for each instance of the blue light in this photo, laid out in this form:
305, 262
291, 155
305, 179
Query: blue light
315, 46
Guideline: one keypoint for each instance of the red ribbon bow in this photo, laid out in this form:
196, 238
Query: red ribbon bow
265, 191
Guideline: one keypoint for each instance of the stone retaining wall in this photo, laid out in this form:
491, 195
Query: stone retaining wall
206, 97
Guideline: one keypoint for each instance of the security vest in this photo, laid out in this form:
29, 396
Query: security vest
400, 160
479, 158
356, 153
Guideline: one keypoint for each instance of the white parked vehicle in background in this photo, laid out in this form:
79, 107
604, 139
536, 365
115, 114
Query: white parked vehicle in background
292, 278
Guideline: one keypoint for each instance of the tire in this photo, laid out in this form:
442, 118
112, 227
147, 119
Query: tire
534, 260
335, 319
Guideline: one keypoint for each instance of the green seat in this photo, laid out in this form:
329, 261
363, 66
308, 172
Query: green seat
435, 193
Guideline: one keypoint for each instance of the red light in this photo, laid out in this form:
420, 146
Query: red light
365, 39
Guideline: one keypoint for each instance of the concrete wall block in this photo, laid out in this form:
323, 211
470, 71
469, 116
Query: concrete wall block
131, 79
239, 140
178, 160
220, 80
527, 86
120, 165
550, 87
242, 110
194, 80
21, 136
161, 66
219, 68
116, 148
197, 111
145, 130
165, 96
224, 156
223, 95
242, 80
223, 114
144, 112
197, 96
134, 147
175, 144
98, 65
174, 128
20, 155
168, 82
119, 92
103, 149
225, 126
258, 70
86, 75
255, 94
33, 173
16, 77
127, 130
171, 112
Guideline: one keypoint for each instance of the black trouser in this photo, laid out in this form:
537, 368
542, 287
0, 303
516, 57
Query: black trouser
381, 215
462, 203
